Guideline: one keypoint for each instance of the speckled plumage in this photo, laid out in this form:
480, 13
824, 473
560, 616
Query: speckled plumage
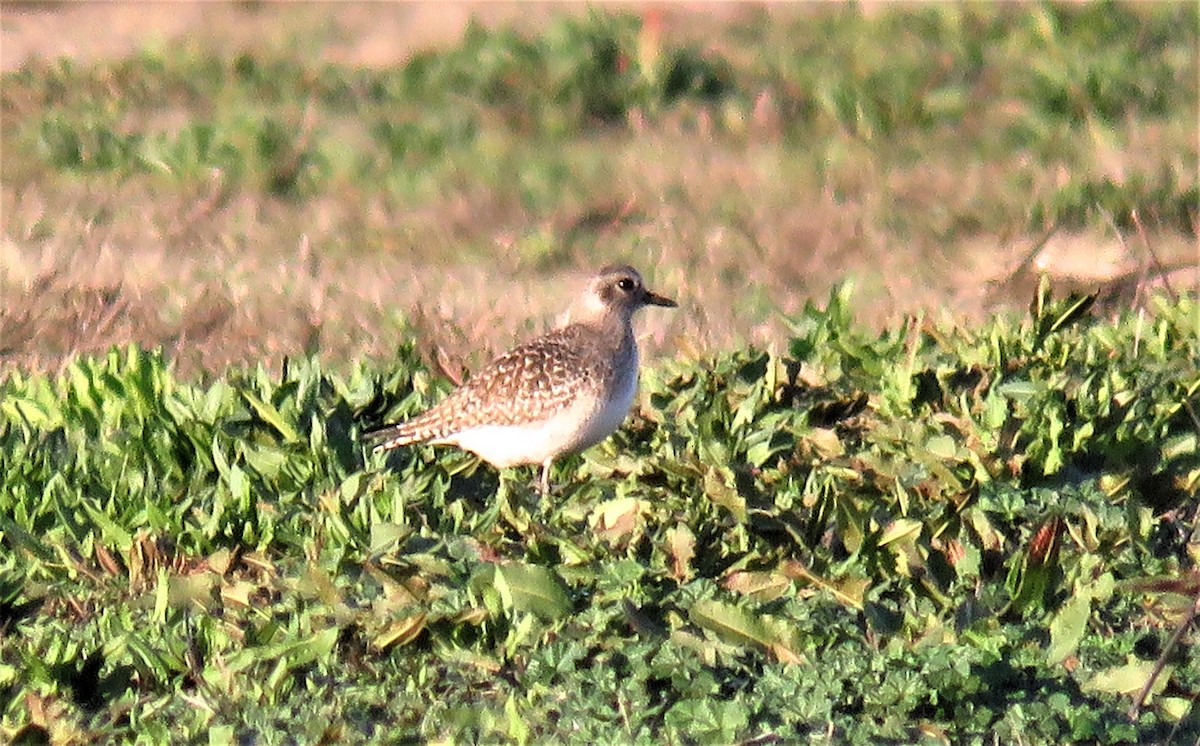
525, 385
559, 393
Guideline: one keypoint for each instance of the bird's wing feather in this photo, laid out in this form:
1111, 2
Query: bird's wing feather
523, 385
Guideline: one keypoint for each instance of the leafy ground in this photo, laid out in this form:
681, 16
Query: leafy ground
917, 511
931, 533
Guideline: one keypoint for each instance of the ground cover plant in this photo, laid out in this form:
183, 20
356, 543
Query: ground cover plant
928, 533
949, 505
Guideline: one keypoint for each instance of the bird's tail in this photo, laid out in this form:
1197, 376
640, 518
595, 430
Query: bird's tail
391, 436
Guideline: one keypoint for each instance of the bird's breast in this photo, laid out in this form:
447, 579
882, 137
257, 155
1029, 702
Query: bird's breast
610, 409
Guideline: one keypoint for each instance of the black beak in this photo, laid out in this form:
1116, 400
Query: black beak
654, 299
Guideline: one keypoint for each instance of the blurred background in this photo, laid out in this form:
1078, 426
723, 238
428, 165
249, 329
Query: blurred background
238, 182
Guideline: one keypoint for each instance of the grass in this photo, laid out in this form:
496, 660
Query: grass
781, 151
967, 534
915, 511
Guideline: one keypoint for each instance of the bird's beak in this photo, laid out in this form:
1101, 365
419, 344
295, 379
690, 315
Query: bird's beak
654, 299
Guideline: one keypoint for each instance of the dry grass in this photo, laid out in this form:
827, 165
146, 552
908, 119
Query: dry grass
239, 285
357, 33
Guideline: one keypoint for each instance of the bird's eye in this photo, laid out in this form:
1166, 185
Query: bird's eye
625, 284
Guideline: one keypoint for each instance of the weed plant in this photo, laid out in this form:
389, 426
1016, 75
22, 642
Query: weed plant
929, 532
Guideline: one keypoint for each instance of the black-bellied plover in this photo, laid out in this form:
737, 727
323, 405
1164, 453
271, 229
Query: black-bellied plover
557, 394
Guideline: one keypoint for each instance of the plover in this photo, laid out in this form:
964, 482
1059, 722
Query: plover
557, 394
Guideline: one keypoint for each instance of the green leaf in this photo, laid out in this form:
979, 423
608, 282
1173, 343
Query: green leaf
272, 417
707, 720
899, 530
942, 446
757, 584
729, 622
1068, 627
518, 729
1175, 708
1127, 679
1020, 390
532, 588
112, 534
33, 413
25, 540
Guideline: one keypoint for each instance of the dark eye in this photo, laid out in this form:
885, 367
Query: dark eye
626, 284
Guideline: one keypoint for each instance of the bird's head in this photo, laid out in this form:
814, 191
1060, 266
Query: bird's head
619, 289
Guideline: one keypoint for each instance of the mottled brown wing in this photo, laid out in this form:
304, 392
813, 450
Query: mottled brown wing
526, 384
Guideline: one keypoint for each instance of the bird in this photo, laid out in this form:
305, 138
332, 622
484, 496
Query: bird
554, 395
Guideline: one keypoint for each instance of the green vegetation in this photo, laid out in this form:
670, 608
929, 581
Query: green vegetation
925, 533
915, 150
1045, 83
905, 530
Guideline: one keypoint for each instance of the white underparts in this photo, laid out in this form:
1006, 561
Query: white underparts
585, 422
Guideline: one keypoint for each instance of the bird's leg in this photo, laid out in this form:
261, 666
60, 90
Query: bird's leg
544, 504
544, 485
